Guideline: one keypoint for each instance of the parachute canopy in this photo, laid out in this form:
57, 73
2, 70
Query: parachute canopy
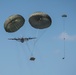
40, 20
64, 15
14, 23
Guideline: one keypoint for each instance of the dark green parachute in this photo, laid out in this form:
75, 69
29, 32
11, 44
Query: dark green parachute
14, 23
40, 20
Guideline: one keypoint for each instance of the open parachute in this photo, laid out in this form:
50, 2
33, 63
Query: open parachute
13, 23
40, 20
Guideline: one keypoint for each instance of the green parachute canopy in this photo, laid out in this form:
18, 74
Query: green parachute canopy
40, 20
13, 23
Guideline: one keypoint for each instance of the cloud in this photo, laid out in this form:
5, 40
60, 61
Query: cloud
67, 36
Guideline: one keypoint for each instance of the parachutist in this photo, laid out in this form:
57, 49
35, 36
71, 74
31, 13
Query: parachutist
32, 58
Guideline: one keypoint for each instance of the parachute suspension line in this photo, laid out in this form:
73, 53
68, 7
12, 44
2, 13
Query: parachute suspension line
64, 38
39, 36
64, 16
19, 59
64, 49
29, 48
35, 41
36, 37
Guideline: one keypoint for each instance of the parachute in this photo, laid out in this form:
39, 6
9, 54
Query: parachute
64, 15
14, 23
40, 20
